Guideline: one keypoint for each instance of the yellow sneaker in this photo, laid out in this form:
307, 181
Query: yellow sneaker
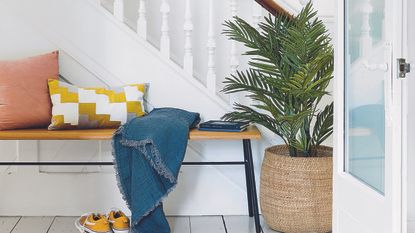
93, 223
120, 223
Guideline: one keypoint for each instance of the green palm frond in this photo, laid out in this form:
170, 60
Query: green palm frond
323, 127
245, 113
290, 68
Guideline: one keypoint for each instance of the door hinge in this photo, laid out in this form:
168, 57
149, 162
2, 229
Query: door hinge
403, 67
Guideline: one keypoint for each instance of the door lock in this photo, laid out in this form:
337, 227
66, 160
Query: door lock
403, 68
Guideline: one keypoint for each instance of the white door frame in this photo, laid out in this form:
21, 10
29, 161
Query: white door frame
404, 185
398, 180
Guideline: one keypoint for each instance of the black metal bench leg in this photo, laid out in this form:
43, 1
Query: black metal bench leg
248, 182
251, 176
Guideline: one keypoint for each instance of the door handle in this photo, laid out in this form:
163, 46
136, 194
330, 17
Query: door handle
382, 67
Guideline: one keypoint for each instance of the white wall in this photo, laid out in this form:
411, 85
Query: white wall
95, 51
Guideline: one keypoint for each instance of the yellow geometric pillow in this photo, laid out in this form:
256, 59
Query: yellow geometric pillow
86, 108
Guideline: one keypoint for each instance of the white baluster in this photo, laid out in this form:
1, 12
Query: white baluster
211, 47
256, 14
119, 10
234, 62
365, 38
142, 20
256, 19
234, 52
165, 39
188, 29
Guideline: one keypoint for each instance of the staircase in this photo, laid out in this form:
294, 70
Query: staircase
116, 40
205, 55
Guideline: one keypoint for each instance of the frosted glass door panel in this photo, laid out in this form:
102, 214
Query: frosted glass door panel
364, 90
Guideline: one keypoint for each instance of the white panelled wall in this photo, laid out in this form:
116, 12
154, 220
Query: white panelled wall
177, 47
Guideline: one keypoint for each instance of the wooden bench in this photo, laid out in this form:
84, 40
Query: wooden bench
246, 136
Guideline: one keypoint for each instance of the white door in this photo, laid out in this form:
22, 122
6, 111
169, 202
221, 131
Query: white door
368, 118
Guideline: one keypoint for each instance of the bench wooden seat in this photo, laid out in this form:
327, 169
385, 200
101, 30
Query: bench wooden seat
106, 134
246, 136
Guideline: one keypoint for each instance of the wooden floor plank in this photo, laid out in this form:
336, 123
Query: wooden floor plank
8, 223
64, 225
196, 224
239, 224
179, 224
244, 224
207, 224
33, 225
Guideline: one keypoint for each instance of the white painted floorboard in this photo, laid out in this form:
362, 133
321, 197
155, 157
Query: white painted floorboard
207, 224
239, 224
244, 224
8, 223
64, 225
33, 225
193, 224
179, 224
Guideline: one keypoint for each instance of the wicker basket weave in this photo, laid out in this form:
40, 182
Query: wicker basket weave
296, 192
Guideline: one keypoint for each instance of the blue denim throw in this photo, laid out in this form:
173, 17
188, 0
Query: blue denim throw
148, 153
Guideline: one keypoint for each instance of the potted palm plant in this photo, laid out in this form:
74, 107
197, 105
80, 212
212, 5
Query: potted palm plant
290, 68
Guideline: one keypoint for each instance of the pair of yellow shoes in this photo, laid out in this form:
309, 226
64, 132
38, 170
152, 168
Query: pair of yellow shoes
115, 222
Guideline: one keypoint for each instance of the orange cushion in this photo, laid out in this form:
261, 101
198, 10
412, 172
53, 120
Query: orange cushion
24, 96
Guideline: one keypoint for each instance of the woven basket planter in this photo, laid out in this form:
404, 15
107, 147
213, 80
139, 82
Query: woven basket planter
296, 192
